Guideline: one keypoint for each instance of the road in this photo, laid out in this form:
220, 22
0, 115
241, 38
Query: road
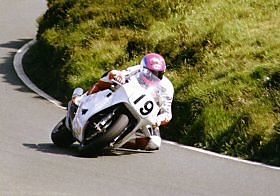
31, 165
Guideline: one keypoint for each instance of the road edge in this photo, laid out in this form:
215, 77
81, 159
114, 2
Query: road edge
17, 63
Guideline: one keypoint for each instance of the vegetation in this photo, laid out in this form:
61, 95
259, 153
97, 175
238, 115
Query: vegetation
223, 58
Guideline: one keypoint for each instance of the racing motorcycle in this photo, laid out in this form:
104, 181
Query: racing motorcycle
110, 118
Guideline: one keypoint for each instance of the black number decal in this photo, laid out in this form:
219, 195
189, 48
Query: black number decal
148, 107
138, 99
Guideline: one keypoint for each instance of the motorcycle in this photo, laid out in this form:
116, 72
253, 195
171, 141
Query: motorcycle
110, 118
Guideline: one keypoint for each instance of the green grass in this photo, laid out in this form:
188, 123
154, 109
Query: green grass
223, 58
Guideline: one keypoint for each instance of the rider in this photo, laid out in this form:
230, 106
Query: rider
156, 64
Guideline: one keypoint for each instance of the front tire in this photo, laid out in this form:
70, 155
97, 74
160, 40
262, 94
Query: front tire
100, 142
61, 136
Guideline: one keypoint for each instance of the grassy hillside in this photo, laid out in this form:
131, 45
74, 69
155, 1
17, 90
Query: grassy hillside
223, 58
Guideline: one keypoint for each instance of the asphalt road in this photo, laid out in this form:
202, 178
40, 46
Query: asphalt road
31, 165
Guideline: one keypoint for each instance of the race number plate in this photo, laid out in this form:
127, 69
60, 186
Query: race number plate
143, 104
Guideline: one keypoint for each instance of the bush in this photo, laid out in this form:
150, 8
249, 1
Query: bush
270, 151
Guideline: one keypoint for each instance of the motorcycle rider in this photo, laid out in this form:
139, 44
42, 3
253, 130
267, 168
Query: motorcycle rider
153, 62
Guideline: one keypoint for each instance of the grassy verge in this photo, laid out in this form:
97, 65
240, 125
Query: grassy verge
223, 57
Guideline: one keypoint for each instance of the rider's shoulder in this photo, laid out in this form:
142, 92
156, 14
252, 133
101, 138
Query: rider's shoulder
166, 81
167, 84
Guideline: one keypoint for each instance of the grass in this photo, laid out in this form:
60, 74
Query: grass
223, 58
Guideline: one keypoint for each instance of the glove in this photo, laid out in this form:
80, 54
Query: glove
161, 120
117, 75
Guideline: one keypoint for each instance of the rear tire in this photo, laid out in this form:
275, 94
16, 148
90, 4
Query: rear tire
61, 136
98, 144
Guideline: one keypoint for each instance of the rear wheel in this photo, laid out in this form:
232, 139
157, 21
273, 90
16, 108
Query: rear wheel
61, 136
100, 142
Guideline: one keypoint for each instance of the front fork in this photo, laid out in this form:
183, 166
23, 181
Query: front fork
102, 125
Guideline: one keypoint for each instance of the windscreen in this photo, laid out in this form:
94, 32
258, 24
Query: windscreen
149, 81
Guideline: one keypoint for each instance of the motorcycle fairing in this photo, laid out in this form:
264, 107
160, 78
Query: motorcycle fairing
135, 97
89, 106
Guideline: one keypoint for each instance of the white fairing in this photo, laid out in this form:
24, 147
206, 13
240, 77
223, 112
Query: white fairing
137, 95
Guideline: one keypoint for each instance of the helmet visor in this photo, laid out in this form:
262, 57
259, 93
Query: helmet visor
158, 74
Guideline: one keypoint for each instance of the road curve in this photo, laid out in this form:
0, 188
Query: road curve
31, 165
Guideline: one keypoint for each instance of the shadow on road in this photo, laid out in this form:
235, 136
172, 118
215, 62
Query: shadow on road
73, 150
6, 63
14, 44
7, 67
51, 148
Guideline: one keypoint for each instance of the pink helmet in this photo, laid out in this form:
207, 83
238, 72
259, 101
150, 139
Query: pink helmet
155, 63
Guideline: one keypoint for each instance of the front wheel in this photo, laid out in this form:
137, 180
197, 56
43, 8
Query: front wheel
103, 140
61, 136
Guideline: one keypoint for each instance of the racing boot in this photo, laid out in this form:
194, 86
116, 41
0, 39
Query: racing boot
151, 143
72, 106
